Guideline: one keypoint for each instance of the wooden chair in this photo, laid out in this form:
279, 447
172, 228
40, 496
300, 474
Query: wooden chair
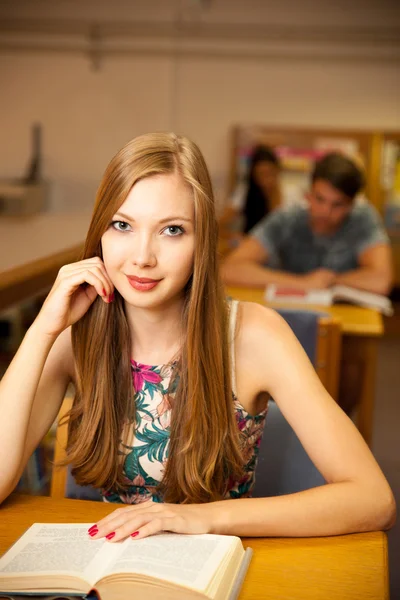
59, 474
63, 484
328, 353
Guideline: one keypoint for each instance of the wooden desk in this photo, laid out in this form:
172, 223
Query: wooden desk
351, 567
33, 249
361, 329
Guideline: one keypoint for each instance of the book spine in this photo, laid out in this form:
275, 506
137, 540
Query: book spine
241, 574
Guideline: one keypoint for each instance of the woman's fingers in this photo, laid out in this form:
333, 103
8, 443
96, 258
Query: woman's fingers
142, 520
120, 514
96, 269
151, 517
140, 526
71, 283
73, 292
91, 293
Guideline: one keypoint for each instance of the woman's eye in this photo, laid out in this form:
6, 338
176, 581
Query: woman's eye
120, 225
174, 230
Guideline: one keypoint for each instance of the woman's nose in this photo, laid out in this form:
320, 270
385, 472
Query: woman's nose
144, 254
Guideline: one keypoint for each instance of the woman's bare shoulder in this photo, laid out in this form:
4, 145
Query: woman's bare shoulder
258, 323
267, 345
261, 335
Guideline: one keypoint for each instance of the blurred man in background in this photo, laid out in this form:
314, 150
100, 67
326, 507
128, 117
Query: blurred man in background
333, 240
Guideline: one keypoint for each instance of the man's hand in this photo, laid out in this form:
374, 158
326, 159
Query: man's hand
320, 279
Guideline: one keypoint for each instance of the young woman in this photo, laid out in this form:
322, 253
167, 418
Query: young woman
259, 194
171, 389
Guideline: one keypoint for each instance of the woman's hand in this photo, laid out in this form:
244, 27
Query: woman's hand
148, 518
75, 289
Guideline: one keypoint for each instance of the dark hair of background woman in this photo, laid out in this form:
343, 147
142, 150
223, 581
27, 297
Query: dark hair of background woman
257, 205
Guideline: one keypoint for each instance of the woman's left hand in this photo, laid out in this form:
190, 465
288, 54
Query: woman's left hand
148, 518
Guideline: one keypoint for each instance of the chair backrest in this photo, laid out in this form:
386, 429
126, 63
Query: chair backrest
63, 484
283, 465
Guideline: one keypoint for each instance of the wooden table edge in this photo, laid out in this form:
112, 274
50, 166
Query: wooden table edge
36, 267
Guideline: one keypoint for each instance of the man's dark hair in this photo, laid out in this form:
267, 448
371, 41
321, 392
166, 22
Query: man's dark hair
340, 172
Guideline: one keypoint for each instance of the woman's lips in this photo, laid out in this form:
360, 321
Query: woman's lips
142, 284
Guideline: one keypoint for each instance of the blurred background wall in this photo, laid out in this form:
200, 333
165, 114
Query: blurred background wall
97, 73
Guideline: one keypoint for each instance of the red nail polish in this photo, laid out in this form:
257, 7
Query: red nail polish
92, 527
111, 297
93, 532
104, 292
110, 535
134, 534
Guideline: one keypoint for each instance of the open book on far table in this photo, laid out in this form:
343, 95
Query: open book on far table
333, 295
62, 559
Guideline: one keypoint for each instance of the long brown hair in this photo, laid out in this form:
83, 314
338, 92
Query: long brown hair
204, 440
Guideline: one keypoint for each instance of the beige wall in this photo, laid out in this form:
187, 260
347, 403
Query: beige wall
86, 116
199, 88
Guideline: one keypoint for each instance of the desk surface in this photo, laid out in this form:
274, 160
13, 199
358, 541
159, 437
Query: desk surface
336, 568
26, 242
354, 320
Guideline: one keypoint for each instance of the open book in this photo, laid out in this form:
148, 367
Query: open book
337, 293
62, 559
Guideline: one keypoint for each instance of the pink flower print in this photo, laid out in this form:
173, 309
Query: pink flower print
139, 480
142, 373
136, 498
151, 490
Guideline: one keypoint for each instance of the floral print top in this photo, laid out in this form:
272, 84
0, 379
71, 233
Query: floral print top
145, 450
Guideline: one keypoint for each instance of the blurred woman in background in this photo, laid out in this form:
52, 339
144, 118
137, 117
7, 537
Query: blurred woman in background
258, 195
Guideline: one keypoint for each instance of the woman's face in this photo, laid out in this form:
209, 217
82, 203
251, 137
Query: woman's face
266, 176
148, 249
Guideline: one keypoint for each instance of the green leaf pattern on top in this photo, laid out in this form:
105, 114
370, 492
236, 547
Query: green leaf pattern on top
146, 458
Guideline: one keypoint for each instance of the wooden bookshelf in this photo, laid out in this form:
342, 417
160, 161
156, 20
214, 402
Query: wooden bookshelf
366, 146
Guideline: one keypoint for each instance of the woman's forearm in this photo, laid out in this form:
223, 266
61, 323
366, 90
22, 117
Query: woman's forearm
17, 392
332, 509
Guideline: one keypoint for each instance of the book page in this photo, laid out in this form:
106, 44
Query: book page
363, 298
39, 597
189, 560
62, 549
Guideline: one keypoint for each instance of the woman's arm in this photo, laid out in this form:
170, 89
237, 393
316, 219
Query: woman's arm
31, 393
34, 385
356, 497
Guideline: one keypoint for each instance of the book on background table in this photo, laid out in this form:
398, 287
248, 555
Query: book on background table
333, 295
62, 560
